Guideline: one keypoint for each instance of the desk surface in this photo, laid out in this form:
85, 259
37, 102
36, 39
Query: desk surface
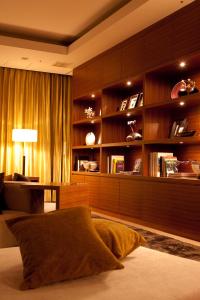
48, 185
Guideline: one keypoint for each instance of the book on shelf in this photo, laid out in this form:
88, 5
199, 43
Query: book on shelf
168, 165
155, 162
115, 164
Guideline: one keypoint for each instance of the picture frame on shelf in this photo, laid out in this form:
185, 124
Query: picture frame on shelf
137, 168
124, 104
140, 101
178, 128
133, 101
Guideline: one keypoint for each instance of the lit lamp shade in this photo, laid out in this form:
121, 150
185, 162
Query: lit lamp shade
24, 135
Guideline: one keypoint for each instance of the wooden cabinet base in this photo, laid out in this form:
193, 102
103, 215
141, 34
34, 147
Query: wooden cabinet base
170, 205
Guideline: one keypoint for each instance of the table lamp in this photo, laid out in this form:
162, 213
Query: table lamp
24, 135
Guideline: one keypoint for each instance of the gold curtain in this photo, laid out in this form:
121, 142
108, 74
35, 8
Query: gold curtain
41, 101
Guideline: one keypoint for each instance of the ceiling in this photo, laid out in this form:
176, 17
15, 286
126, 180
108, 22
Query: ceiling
58, 35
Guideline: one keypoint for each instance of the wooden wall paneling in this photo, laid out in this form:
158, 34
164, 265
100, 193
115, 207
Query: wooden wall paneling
134, 57
158, 44
185, 39
111, 62
131, 198
88, 77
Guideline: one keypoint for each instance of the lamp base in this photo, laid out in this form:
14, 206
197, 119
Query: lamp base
24, 162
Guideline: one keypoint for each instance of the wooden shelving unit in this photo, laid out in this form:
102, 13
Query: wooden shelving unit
168, 204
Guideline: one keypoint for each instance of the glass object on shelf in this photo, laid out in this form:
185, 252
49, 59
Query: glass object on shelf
93, 166
196, 167
90, 138
183, 88
133, 135
89, 112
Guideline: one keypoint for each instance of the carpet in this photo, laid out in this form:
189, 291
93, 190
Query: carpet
164, 243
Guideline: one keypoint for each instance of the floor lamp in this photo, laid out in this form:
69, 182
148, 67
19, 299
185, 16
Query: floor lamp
24, 135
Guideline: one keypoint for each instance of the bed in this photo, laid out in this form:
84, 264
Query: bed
148, 274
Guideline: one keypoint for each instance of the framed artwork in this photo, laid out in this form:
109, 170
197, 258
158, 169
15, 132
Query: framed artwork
140, 100
133, 101
124, 104
178, 128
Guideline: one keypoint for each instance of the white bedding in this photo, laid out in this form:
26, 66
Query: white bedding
148, 275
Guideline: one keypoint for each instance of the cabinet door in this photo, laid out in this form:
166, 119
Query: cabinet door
173, 207
109, 194
94, 190
78, 178
131, 197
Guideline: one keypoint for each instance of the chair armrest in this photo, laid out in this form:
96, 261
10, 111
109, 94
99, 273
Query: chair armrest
17, 198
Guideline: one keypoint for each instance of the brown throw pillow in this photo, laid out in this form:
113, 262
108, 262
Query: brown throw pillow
60, 246
20, 177
119, 238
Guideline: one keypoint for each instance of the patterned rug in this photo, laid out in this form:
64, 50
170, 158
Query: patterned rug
165, 244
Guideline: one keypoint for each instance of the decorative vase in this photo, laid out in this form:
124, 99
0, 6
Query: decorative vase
90, 138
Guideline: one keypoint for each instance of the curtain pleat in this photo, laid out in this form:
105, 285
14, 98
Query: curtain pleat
35, 100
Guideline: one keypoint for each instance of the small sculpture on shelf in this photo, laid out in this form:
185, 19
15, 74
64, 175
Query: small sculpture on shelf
183, 88
133, 135
89, 112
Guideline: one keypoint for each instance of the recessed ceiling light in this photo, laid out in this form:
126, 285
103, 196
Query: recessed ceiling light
180, 142
128, 114
182, 64
181, 103
24, 58
92, 121
93, 96
128, 83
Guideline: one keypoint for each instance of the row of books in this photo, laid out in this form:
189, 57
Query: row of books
162, 164
115, 164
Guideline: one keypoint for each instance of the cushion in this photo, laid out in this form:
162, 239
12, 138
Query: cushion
8, 177
60, 246
20, 177
119, 238
1, 191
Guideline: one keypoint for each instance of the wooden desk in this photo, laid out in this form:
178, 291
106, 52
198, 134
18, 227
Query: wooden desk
67, 194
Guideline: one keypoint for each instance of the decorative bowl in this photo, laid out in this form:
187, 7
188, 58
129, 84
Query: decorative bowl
92, 166
195, 167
